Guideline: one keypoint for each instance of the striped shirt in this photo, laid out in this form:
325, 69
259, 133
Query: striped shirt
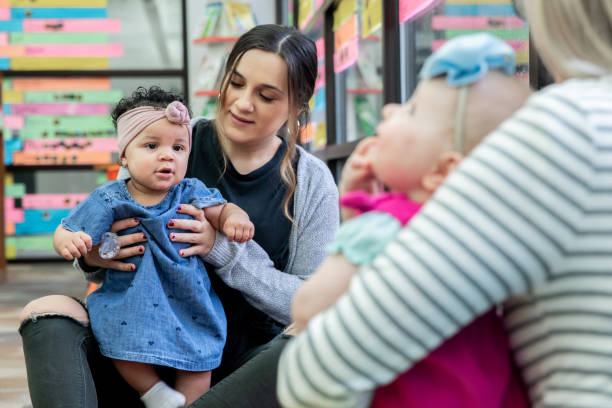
526, 220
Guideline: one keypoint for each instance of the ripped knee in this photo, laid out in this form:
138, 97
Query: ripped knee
54, 305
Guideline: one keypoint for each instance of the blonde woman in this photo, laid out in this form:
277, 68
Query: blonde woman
526, 219
289, 195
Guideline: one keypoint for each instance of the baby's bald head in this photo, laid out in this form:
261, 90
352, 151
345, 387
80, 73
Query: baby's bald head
490, 101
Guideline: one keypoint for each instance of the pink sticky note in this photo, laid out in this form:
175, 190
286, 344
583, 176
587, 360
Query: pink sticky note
68, 108
74, 50
13, 215
99, 25
320, 44
9, 203
46, 201
517, 45
13, 122
347, 55
411, 9
5, 13
4, 38
475, 22
90, 144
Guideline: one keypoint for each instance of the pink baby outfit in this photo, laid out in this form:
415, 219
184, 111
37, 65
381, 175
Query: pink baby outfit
472, 369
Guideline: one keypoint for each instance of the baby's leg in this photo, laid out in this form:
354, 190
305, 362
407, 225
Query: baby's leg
154, 392
192, 384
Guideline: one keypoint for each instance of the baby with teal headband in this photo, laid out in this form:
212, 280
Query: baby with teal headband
467, 89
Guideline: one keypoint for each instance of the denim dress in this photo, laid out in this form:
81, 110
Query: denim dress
166, 312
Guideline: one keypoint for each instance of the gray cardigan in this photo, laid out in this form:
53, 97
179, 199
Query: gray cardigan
248, 268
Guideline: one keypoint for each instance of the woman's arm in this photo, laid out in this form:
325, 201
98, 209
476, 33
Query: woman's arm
490, 232
248, 268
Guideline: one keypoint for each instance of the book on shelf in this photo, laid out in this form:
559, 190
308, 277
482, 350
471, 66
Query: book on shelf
210, 19
240, 16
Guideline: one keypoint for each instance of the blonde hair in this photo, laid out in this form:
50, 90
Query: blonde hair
573, 37
491, 100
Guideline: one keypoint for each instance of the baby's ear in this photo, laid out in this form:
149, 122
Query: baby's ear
447, 162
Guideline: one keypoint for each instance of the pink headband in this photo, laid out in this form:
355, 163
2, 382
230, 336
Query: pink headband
134, 121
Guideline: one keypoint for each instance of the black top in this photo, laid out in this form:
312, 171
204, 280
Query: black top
260, 193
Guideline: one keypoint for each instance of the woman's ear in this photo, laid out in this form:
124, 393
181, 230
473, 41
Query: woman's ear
446, 163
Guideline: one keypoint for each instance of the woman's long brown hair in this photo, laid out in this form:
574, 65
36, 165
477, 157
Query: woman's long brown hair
300, 54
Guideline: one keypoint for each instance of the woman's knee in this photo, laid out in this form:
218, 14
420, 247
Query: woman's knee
54, 305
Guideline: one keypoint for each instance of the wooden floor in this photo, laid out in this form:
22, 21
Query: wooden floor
26, 282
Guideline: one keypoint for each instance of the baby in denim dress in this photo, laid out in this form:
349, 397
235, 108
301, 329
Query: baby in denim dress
165, 313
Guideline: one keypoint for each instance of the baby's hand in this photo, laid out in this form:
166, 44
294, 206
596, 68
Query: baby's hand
74, 245
357, 172
237, 227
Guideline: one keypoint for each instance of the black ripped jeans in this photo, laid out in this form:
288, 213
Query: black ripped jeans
66, 369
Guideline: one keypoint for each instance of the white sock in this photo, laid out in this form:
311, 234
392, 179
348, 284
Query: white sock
162, 396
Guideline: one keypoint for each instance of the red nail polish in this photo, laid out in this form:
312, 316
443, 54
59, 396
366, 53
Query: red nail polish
144, 236
135, 221
171, 224
141, 250
172, 237
181, 253
179, 208
133, 267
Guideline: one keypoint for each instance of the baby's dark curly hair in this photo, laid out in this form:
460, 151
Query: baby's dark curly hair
154, 96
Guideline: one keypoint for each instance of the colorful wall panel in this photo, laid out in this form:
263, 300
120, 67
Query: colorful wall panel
56, 35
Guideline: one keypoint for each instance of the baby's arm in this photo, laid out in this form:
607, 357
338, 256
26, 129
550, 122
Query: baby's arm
231, 220
70, 244
322, 289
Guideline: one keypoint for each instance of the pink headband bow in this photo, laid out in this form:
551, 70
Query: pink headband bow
134, 121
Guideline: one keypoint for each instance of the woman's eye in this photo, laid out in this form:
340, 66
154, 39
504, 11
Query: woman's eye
235, 84
266, 99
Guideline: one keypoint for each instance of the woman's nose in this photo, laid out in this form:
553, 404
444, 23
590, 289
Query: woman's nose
244, 102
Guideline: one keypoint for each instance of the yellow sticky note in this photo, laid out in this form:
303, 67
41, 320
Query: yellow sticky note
371, 17
55, 63
58, 3
346, 8
8, 179
305, 12
522, 57
11, 252
320, 135
9, 96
